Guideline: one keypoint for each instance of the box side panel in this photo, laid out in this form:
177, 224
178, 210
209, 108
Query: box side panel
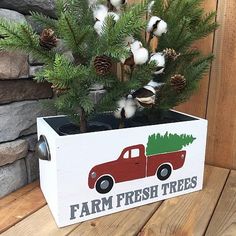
48, 169
78, 154
202, 151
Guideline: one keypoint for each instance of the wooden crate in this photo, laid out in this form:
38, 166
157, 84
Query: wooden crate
69, 180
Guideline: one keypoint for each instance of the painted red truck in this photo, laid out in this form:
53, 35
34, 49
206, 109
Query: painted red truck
134, 164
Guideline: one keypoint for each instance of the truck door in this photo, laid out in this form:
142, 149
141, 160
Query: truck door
133, 164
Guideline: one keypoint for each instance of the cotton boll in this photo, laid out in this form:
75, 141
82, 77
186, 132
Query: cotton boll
159, 71
154, 84
117, 3
145, 96
126, 108
116, 17
130, 108
140, 56
100, 12
120, 106
161, 28
153, 20
135, 46
156, 26
99, 23
159, 59
98, 27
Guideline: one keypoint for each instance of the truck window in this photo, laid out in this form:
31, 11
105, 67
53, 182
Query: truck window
126, 155
135, 153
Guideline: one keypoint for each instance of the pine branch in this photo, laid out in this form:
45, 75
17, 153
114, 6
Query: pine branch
44, 21
60, 7
186, 23
21, 37
114, 33
75, 35
143, 74
86, 103
63, 73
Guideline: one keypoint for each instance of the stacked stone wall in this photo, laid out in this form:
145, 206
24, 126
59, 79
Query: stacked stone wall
20, 103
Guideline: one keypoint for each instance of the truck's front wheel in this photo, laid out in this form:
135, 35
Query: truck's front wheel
164, 172
104, 184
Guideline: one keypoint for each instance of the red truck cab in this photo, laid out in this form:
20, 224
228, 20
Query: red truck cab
134, 164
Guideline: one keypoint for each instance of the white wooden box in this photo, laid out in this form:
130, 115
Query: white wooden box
78, 161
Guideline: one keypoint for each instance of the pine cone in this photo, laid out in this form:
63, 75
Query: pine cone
47, 39
178, 82
103, 65
171, 53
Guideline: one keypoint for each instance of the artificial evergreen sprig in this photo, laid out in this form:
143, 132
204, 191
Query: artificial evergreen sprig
44, 21
20, 36
84, 48
113, 35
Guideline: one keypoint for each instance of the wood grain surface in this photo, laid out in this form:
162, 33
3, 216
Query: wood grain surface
222, 96
15, 195
191, 213
40, 223
223, 222
17, 210
126, 223
186, 215
197, 105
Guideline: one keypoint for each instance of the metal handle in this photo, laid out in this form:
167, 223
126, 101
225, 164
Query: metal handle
42, 149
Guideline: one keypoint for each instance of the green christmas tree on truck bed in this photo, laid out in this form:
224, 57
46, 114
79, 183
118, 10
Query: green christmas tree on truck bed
158, 143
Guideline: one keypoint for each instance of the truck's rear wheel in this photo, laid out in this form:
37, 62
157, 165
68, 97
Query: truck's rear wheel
164, 172
104, 184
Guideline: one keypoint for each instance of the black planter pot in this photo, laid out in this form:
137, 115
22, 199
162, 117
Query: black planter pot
93, 126
106, 121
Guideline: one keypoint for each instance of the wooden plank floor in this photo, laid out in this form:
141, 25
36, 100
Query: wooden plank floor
210, 212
